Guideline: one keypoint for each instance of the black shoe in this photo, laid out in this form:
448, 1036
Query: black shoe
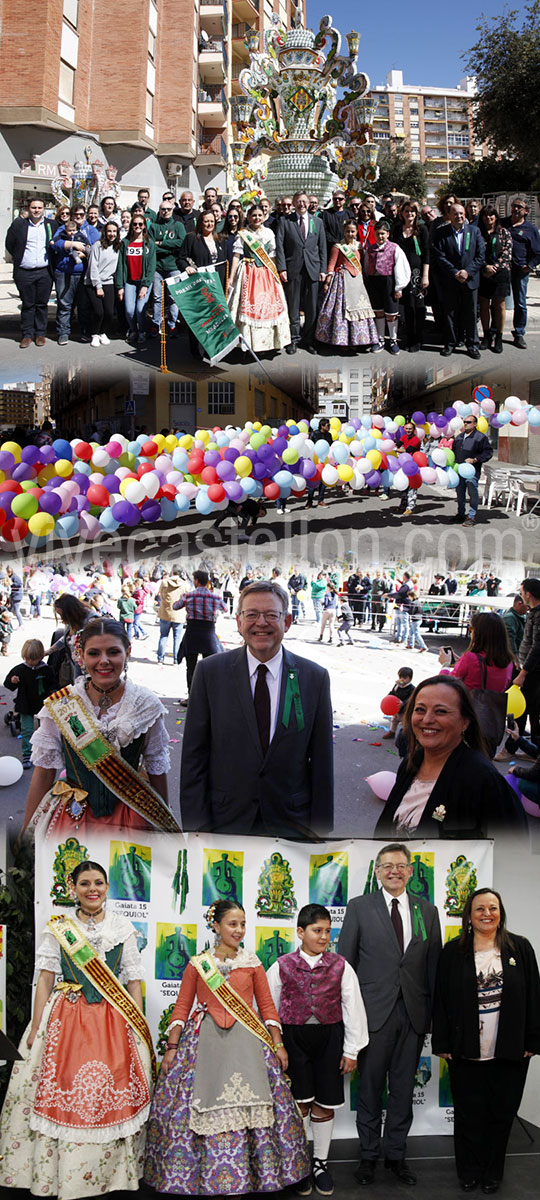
303, 1188
468, 1185
457, 520
485, 344
497, 346
322, 1179
468, 522
310, 349
473, 352
490, 1186
447, 351
365, 1173
291, 349
459, 343
519, 341
399, 1168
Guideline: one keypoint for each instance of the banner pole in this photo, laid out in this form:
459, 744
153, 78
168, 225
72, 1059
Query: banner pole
162, 334
245, 346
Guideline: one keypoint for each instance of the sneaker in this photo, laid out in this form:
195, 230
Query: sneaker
470, 521
377, 347
155, 331
96, 340
141, 340
303, 1188
63, 339
322, 1179
131, 338
503, 756
384, 496
105, 341
388, 735
519, 341
407, 512
27, 765
393, 348
85, 337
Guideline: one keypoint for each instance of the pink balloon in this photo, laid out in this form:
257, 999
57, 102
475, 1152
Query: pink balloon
381, 783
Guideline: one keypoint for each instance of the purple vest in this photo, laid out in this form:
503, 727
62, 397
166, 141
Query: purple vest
310, 991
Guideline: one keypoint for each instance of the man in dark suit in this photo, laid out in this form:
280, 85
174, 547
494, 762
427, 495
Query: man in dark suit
470, 446
301, 259
393, 941
459, 252
257, 750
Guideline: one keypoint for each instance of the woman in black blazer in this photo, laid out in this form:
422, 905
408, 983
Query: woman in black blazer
204, 248
486, 1024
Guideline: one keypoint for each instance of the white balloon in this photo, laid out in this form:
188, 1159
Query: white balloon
442, 478
400, 480
11, 770
330, 475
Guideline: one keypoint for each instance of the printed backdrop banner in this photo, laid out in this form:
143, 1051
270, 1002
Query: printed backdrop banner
165, 884
201, 300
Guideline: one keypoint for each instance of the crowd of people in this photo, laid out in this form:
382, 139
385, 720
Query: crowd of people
362, 271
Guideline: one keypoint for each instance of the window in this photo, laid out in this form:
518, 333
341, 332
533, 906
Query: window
66, 83
151, 45
183, 393
150, 108
259, 404
71, 11
221, 397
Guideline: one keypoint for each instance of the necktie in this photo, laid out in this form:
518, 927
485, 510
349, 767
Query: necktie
302, 229
397, 922
262, 706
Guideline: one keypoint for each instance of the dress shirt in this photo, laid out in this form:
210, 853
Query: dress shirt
355, 1028
35, 254
201, 605
405, 913
303, 224
273, 682
458, 234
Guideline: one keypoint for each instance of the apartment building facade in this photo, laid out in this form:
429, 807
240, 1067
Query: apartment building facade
435, 124
141, 89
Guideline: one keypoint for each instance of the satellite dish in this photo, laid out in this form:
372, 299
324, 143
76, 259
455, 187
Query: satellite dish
203, 37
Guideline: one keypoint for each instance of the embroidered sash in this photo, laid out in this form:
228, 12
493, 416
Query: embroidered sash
78, 726
78, 950
351, 255
258, 250
229, 999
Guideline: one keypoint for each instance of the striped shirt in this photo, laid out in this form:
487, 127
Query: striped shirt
201, 605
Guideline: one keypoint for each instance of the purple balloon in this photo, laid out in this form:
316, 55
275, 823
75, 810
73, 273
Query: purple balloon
307, 468
449, 413
259, 470
432, 417
151, 510
234, 491
279, 445
418, 418
82, 481
6, 499
494, 421
111, 482
79, 504
403, 459
23, 471
48, 455
373, 479
225, 470
283, 431
393, 465
231, 454
265, 452
7, 460
30, 454
126, 513
410, 468
212, 458
50, 502
440, 422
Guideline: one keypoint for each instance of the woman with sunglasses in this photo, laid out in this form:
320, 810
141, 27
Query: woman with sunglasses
134, 275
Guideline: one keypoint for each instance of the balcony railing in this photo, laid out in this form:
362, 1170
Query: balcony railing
212, 146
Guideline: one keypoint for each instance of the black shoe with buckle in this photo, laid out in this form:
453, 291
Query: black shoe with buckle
365, 1172
399, 1168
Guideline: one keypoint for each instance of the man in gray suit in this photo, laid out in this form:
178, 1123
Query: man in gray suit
393, 941
257, 751
301, 258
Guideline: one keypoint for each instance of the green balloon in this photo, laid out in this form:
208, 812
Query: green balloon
24, 505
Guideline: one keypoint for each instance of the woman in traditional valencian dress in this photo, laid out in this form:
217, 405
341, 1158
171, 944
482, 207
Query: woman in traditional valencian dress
346, 317
73, 1123
99, 729
256, 298
223, 1120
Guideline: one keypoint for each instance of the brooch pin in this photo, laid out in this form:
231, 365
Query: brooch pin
439, 813
511, 962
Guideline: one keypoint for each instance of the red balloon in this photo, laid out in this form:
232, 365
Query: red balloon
195, 464
149, 449
35, 491
209, 475
15, 530
83, 451
144, 469
390, 705
168, 491
3, 517
98, 495
272, 491
415, 481
10, 485
216, 493
420, 458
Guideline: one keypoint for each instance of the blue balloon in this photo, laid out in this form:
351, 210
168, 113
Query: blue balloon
466, 470
203, 504
453, 477
249, 486
169, 510
322, 449
181, 502
107, 521
63, 449
67, 526
180, 459
283, 479
341, 452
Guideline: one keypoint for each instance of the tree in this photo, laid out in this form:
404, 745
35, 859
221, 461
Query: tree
398, 173
491, 175
506, 63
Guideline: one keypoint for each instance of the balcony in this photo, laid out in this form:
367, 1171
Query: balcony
238, 33
212, 105
246, 10
213, 17
211, 151
212, 61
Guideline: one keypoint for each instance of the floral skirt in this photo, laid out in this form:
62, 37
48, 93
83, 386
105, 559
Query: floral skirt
245, 1157
73, 1122
258, 308
333, 326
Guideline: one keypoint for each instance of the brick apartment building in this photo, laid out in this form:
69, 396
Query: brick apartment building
145, 86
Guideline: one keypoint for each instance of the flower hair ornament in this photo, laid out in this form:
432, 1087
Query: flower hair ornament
211, 916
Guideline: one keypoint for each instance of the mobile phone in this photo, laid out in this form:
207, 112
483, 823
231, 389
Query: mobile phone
510, 721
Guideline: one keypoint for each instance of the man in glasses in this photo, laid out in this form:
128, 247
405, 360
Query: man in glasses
470, 446
168, 235
257, 752
458, 254
393, 942
525, 257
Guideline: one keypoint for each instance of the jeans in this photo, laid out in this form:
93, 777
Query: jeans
135, 306
128, 628
295, 606
520, 283
415, 637
317, 608
35, 606
402, 626
15, 606
138, 626
27, 729
171, 309
67, 287
164, 630
469, 486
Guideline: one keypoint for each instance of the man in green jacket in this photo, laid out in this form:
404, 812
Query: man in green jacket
168, 236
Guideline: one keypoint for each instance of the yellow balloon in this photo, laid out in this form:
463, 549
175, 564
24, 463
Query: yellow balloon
516, 701
2, 476
243, 465
374, 458
345, 473
186, 441
482, 425
45, 474
12, 448
335, 423
64, 468
159, 440
171, 443
257, 425
201, 435
41, 524
375, 433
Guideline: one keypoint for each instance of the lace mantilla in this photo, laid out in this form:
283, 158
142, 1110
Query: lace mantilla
108, 933
138, 712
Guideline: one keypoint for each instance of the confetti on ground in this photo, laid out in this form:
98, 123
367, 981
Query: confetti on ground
375, 743
174, 740
178, 722
358, 739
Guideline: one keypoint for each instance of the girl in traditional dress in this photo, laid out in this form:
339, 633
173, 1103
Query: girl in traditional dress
74, 1118
98, 729
346, 317
223, 1121
256, 298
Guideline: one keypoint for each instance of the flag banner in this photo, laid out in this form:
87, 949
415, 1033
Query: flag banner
201, 300
165, 884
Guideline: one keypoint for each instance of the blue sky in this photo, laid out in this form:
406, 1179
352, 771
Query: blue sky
423, 40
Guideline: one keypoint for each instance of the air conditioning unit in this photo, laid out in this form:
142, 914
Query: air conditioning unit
174, 168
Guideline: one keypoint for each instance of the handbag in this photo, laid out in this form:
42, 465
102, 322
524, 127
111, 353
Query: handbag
490, 708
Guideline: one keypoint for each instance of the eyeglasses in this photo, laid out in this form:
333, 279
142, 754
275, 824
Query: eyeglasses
401, 867
253, 614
